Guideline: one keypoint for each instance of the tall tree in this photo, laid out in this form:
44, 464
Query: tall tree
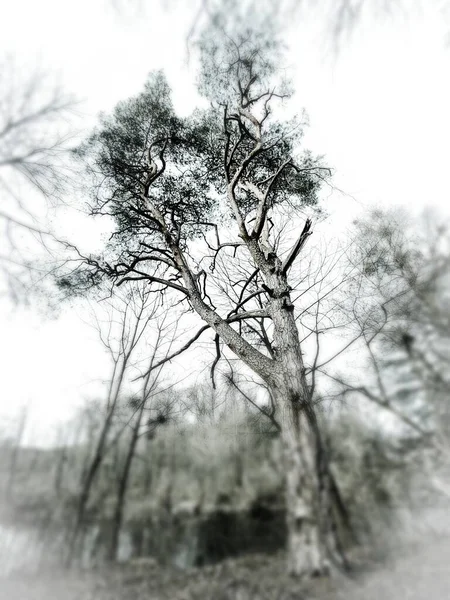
140, 404
201, 207
128, 318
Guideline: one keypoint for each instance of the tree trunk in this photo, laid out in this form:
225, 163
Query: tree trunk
147, 476
312, 536
15, 451
87, 482
60, 468
318, 524
306, 553
122, 490
338, 531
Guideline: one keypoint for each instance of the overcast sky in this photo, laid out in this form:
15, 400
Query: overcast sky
378, 111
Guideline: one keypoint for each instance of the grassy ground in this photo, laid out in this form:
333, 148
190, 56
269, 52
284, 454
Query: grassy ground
420, 573
249, 578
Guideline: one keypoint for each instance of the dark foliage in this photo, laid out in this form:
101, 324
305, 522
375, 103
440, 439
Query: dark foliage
150, 166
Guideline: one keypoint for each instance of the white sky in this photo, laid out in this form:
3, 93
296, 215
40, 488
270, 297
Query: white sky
379, 111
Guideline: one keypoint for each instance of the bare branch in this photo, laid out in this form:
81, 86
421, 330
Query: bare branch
306, 232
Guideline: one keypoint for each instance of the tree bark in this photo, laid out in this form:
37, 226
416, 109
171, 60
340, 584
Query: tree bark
313, 543
318, 524
122, 489
87, 482
305, 550
15, 452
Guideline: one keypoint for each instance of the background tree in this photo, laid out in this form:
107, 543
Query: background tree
128, 316
398, 305
34, 116
16, 442
141, 404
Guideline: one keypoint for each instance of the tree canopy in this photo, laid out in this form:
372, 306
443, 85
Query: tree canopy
158, 175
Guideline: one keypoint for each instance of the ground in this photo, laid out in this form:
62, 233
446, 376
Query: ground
421, 573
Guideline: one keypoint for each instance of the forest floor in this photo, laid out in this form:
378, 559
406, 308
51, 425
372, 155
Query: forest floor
419, 573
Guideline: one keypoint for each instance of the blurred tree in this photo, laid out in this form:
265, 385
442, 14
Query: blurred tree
144, 402
15, 451
399, 304
340, 19
33, 171
128, 317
